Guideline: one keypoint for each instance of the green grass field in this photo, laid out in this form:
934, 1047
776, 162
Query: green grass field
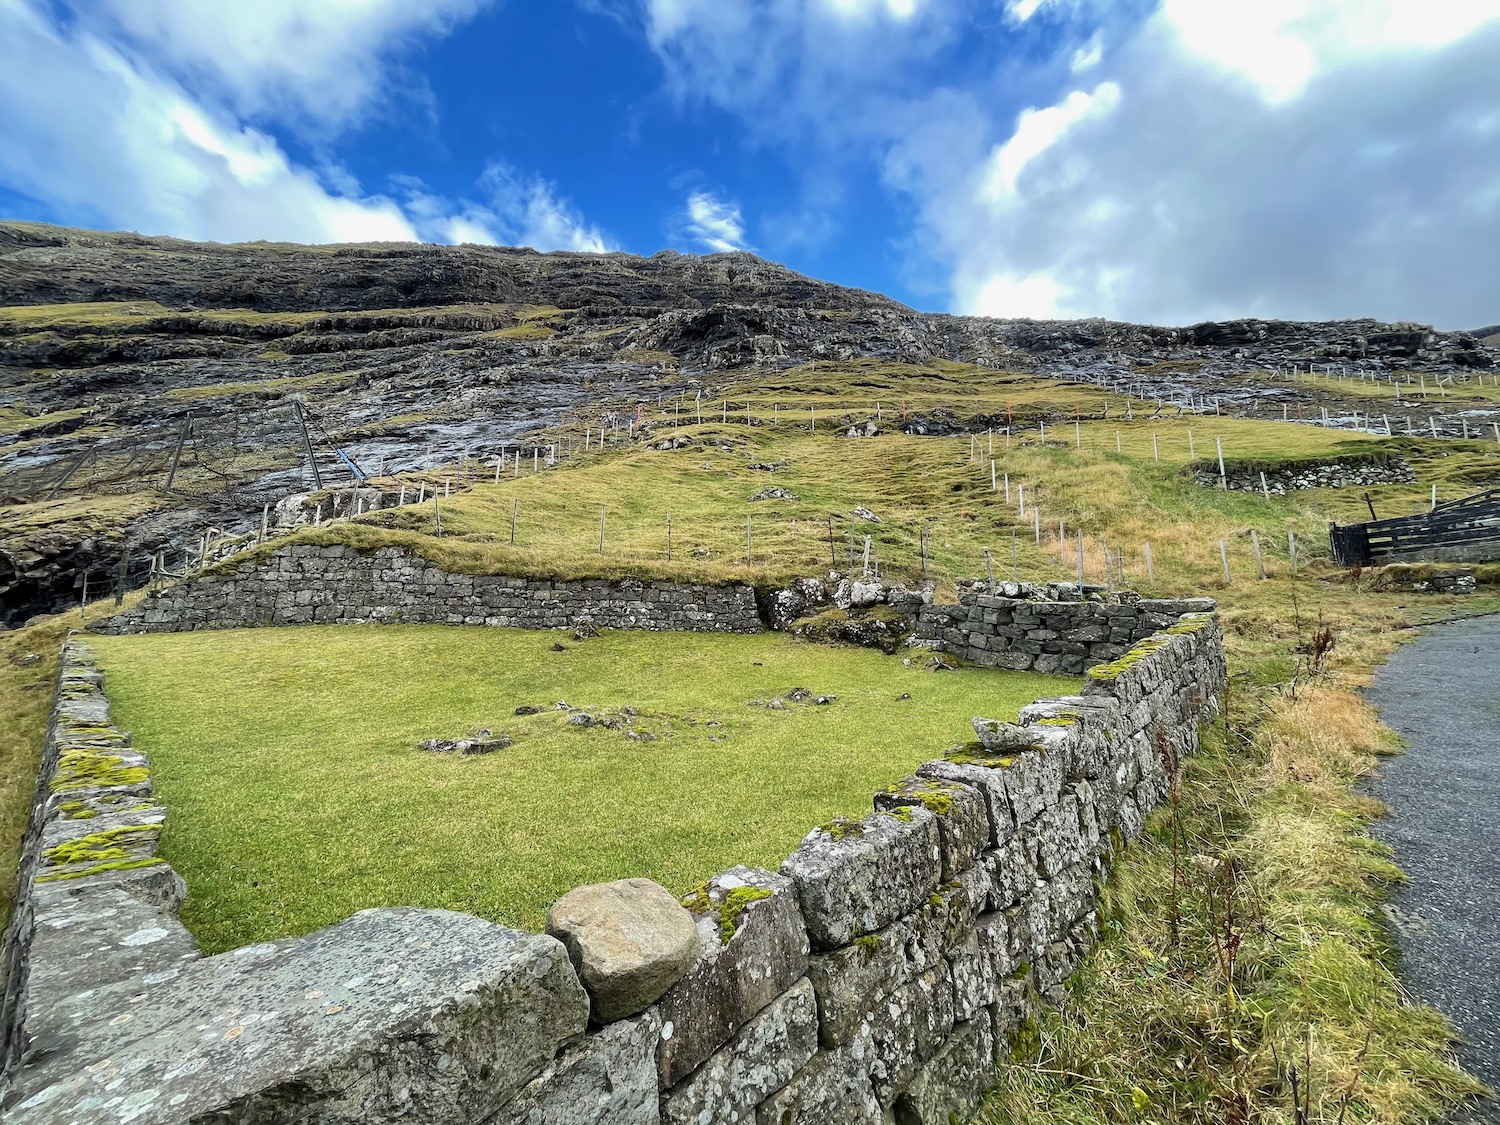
288, 759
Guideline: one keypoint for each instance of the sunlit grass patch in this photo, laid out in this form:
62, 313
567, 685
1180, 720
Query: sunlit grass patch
289, 761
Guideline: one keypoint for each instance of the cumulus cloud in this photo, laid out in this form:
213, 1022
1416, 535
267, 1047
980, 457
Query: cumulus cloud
104, 139
714, 223
1295, 158
1311, 179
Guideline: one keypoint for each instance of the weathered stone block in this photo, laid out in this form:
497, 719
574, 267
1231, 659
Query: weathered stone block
608, 1079
832, 1089
855, 877
949, 1086
850, 981
425, 1015
734, 976
761, 1058
630, 941
909, 1027
963, 824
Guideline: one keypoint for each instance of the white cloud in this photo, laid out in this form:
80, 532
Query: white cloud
1329, 180
1088, 56
104, 139
1037, 130
527, 212
322, 62
897, 9
1302, 158
95, 136
1279, 46
714, 223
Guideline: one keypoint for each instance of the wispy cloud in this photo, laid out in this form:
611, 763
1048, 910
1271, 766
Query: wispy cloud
528, 212
105, 137
714, 222
320, 65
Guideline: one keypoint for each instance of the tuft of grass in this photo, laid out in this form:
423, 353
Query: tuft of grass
1161, 1025
300, 796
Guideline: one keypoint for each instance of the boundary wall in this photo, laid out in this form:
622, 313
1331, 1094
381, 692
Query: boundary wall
876, 977
1017, 627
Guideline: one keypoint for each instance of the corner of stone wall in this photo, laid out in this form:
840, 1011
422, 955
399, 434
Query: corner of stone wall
878, 975
94, 902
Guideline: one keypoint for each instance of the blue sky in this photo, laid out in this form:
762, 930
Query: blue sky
1167, 161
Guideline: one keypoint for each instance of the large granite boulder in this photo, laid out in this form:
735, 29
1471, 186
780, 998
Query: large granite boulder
630, 941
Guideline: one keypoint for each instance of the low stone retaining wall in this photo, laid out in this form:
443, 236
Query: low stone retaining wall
1029, 634
876, 976
303, 584
1291, 476
1016, 627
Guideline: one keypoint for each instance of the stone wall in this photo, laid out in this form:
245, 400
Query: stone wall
303, 584
1017, 626
1021, 633
877, 976
1291, 476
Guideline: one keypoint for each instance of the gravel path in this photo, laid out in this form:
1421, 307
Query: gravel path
1442, 693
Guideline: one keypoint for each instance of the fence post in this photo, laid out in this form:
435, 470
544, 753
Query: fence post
1080, 562
601, 531
1291, 549
1223, 476
749, 542
1224, 557
989, 571
515, 507
1260, 566
1150, 567
123, 575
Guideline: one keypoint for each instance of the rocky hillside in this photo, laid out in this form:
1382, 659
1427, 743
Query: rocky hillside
124, 356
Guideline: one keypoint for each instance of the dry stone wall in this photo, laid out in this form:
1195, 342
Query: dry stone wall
875, 977
1292, 476
1015, 626
304, 584
1024, 633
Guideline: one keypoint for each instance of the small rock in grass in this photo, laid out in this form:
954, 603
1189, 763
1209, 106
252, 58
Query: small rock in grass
629, 940
559, 648
777, 704
581, 719
529, 709
29, 659
863, 513
824, 700
938, 664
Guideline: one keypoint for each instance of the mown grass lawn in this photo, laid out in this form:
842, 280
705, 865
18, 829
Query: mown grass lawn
288, 760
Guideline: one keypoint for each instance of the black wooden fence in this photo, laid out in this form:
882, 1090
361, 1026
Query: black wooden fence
1466, 530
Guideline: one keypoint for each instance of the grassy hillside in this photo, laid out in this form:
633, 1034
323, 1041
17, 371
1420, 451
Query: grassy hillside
1166, 1025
